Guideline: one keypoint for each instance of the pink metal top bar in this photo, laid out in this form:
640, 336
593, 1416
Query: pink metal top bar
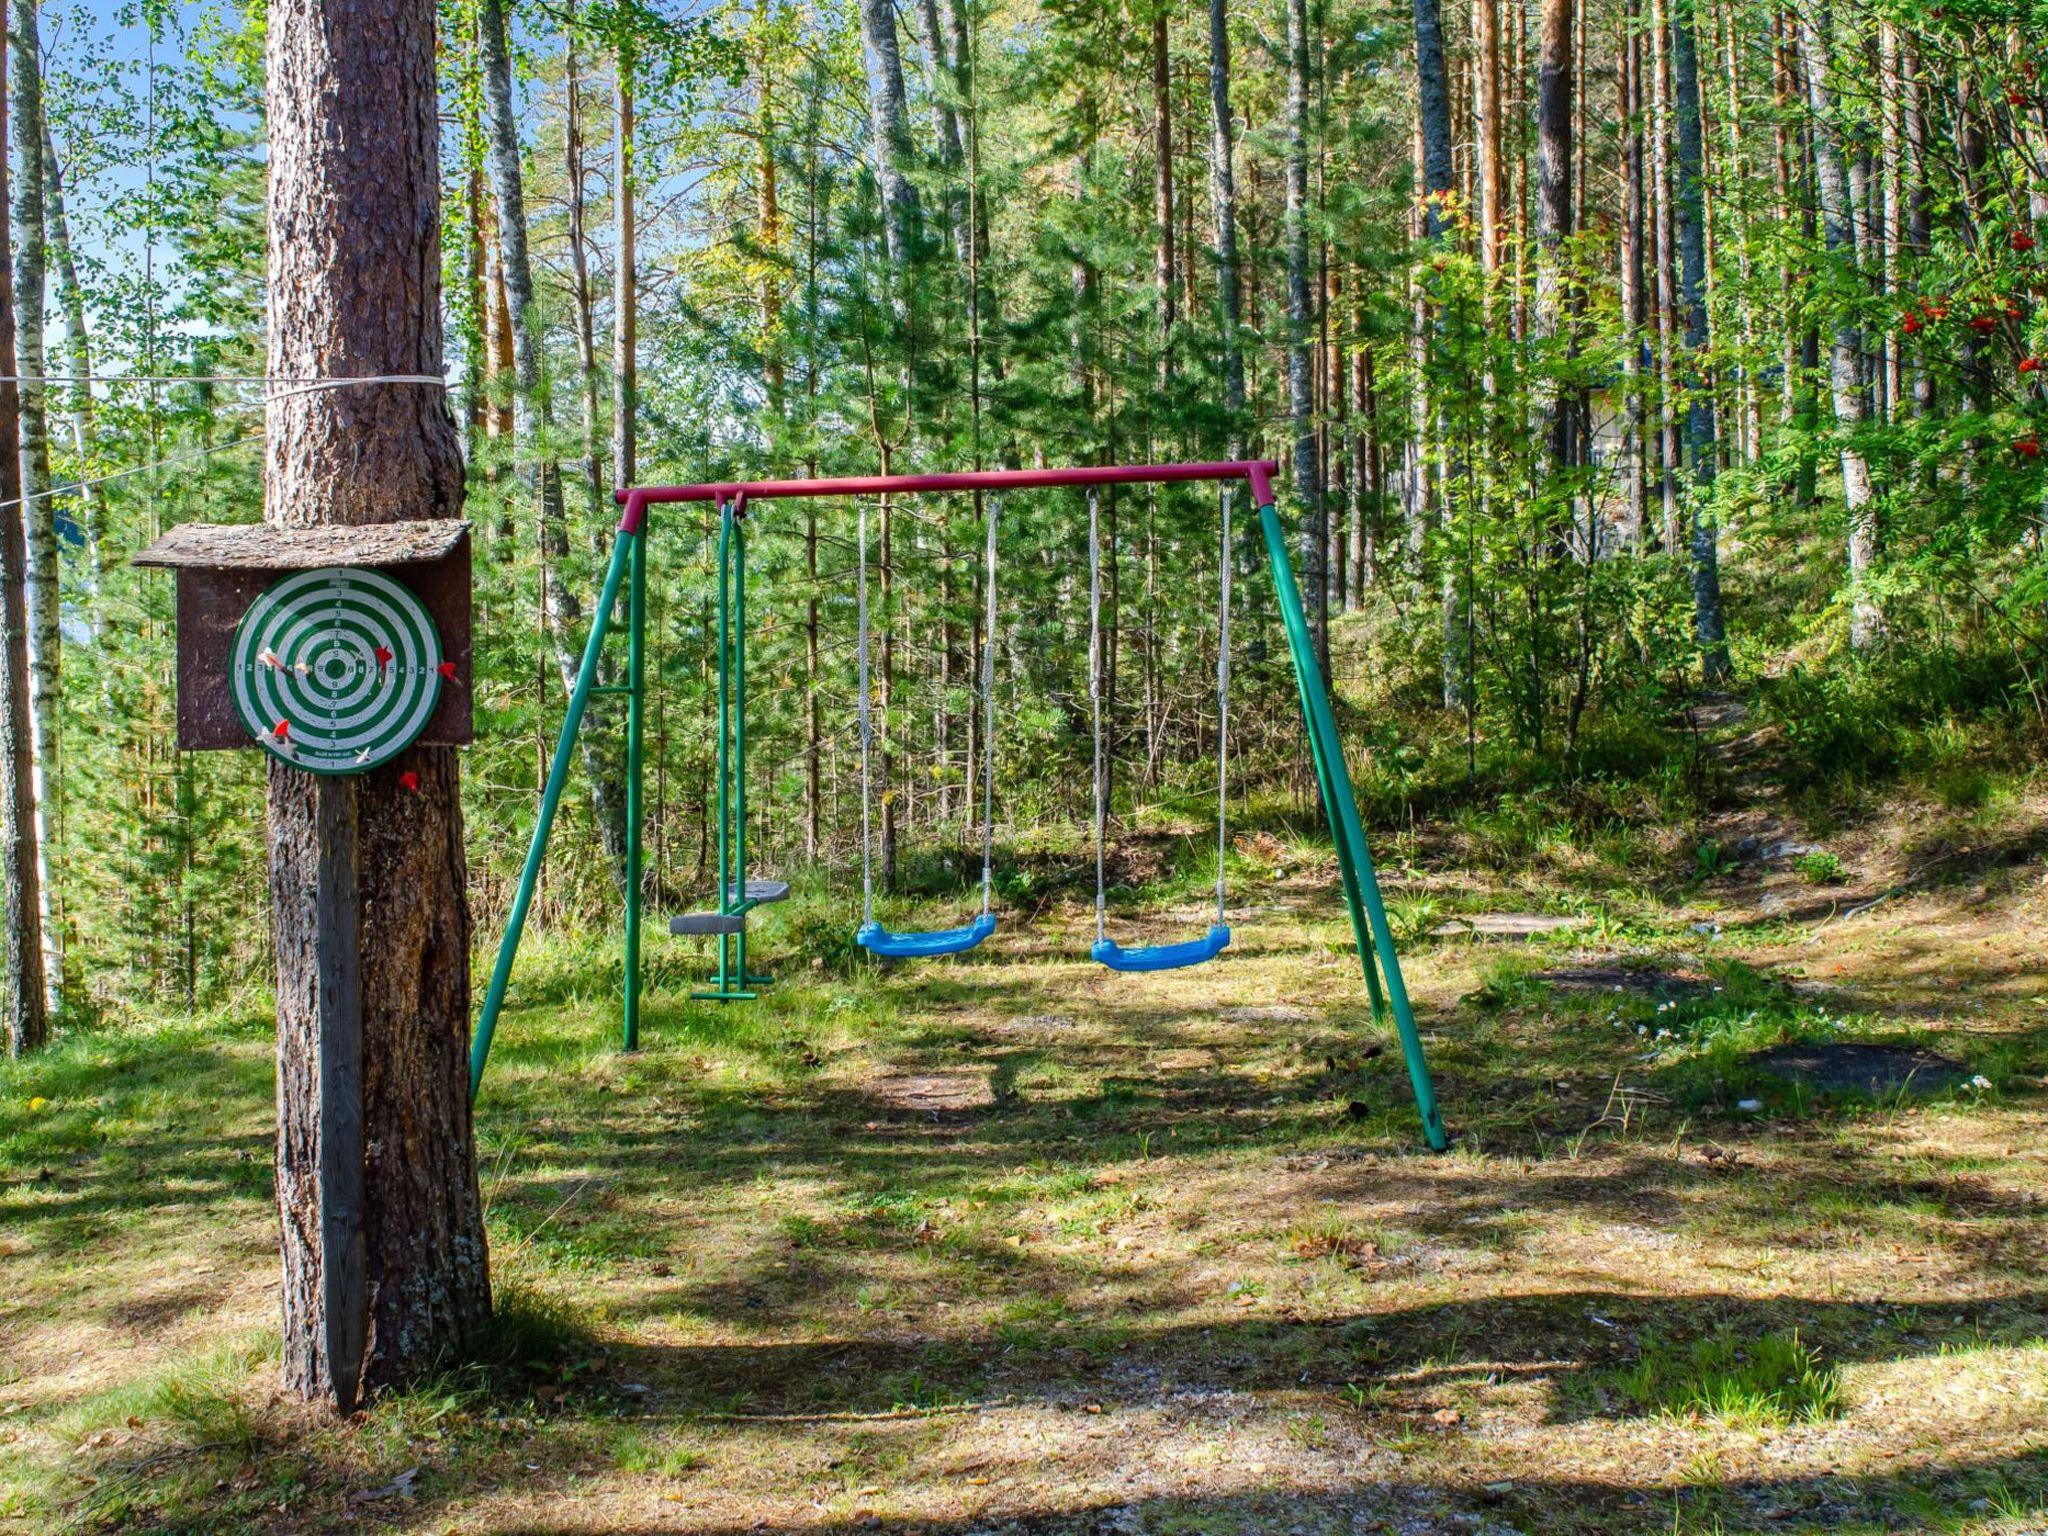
1258, 471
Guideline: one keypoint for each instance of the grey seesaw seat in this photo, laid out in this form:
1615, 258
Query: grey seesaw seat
692, 924
760, 892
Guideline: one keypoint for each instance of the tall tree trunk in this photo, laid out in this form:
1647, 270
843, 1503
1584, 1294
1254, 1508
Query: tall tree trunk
625, 277
1845, 359
946, 124
1223, 194
1163, 260
38, 509
579, 278
25, 1002
1709, 624
78, 354
1433, 107
1635, 417
1486, 122
1556, 424
533, 424
355, 288
1667, 271
1313, 537
888, 125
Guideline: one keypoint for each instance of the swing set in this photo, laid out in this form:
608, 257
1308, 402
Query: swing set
737, 895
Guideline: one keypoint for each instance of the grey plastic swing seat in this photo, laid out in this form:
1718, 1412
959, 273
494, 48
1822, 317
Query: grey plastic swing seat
758, 893
699, 924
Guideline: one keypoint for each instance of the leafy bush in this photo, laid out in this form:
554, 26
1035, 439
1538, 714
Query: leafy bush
1819, 867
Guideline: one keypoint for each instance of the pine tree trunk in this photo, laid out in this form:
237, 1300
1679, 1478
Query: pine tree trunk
1313, 536
21, 938
1164, 262
1223, 193
625, 279
1555, 424
1635, 417
354, 288
579, 278
532, 426
1433, 104
38, 509
1667, 272
1709, 623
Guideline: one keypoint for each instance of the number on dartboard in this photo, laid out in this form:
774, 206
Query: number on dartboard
336, 671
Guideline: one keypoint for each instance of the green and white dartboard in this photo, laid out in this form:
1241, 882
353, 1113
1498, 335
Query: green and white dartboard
336, 670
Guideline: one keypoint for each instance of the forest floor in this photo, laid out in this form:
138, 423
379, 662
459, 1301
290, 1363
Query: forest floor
1012, 1244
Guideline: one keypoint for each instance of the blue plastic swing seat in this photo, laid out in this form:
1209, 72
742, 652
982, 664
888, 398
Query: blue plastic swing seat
1162, 957
878, 940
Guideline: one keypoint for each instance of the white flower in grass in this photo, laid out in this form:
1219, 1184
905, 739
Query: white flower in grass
1980, 1082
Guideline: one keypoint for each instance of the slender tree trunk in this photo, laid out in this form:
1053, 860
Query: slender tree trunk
1667, 272
533, 424
354, 149
1223, 188
1313, 536
1553, 214
888, 124
1635, 416
1845, 359
1433, 106
579, 280
1164, 272
21, 940
38, 509
1709, 623
625, 277
78, 354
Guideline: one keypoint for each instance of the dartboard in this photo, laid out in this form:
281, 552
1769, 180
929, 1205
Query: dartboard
336, 670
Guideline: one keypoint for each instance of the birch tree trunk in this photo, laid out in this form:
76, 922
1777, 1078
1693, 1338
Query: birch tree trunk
78, 355
37, 509
625, 277
888, 125
355, 289
21, 941
1845, 358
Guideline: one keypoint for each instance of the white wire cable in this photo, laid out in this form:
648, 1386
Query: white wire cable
867, 737
71, 487
1223, 701
988, 713
1095, 698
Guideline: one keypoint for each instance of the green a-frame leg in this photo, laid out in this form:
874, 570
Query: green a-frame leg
1369, 927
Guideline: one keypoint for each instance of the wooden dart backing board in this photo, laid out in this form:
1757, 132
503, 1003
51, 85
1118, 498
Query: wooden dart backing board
222, 569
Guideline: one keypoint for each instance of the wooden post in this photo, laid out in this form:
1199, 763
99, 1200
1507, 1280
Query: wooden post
337, 956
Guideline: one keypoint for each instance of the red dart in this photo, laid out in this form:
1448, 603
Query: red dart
447, 670
383, 656
409, 780
282, 730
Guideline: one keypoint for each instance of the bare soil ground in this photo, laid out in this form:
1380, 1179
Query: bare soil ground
1015, 1245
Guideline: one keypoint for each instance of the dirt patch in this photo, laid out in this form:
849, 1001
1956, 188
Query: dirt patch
934, 1093
1643, 981
1878, 1070
1505, 925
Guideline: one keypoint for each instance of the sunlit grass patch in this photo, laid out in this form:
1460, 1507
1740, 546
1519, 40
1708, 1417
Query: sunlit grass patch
1767, 1382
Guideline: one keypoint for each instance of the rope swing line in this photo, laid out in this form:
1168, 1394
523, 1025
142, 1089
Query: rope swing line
1157, 957
871, 935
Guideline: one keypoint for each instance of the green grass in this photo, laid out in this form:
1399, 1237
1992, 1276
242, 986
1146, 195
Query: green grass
1767, 1382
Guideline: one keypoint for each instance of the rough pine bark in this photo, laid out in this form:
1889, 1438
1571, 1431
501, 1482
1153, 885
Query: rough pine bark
355, 289
1313, 537
1433, 108
21, 943
1710, 628
1223, 194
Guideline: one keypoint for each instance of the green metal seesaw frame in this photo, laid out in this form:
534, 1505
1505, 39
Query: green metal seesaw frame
1371, 932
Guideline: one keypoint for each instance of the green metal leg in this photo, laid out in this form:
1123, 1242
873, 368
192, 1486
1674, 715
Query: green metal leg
636, 691
1347, 831
550, 801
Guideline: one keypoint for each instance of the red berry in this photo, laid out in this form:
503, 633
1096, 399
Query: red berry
2027, 447
1937, 311
2016, 97
410, 781
1910, 324
2014, 312
2030, 365
1984, 325
2022, 241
